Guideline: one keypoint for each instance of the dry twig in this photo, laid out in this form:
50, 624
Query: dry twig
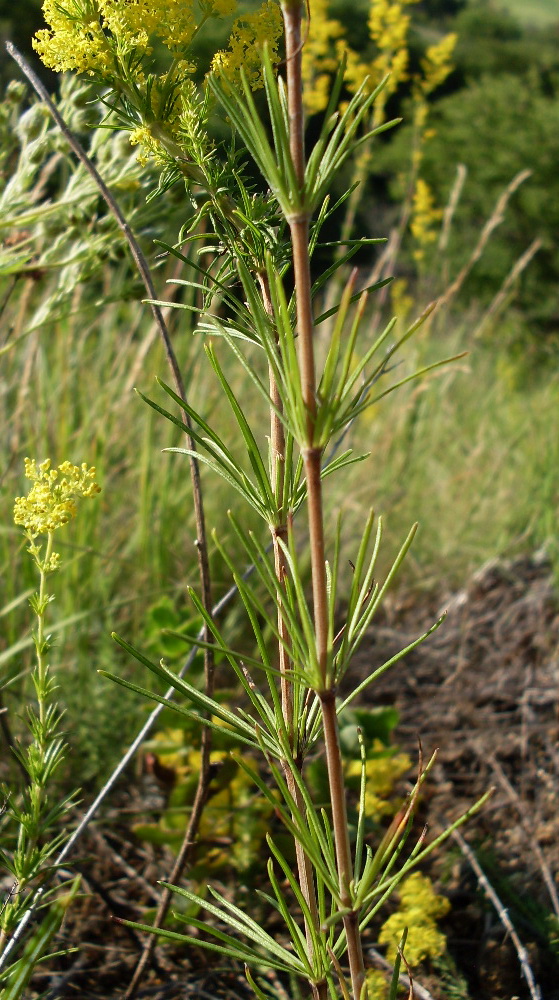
502, 912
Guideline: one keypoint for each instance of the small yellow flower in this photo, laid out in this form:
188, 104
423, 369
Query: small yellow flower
51, 501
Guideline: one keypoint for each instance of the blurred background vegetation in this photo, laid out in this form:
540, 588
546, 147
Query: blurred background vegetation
473, 453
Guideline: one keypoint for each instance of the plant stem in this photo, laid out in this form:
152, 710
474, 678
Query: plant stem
280, 533
41, 666
299, 226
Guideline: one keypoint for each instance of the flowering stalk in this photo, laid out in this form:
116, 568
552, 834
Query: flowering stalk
50, 504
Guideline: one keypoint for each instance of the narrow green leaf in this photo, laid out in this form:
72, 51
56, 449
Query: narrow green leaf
357, 295
258, 467
395, 981
236, 950
389, 663
259, 994
418, 374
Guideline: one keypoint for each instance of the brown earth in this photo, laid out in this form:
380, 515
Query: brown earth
483, 690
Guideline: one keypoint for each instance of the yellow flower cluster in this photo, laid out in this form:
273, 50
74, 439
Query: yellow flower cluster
377, 987
425, 217
132, 23
105, 38
73, 41
437, 63
94, 35
420, 908
319, 55
51, 501
249, 35
382, 772
89, 36
389, 24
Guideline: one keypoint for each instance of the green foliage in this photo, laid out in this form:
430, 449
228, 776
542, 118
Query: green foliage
235, 821
243, 303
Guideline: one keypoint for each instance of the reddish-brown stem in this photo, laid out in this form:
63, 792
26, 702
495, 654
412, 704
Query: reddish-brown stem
299, 225
279, 534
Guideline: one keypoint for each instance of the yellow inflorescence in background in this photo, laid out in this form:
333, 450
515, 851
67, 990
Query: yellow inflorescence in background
247, 39
389, 27
51, 501
320, 59
425, 217
420, 908
382, 772
437, 64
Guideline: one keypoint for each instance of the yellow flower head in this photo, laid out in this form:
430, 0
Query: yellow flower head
425, 217
249, 35
420, 908
320, 57
437, 63
74, 39
51, 501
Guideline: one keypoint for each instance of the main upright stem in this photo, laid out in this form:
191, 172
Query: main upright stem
279, 535
312, 453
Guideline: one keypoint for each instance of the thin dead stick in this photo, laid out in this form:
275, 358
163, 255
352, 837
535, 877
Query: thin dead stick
501, 297
496, 218
152, 334
535, 992
201, 537
451, 206
527, 827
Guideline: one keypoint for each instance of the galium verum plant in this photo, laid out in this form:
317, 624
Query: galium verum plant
260, 241
36, 814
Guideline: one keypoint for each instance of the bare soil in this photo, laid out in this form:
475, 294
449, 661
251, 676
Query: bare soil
483, 691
